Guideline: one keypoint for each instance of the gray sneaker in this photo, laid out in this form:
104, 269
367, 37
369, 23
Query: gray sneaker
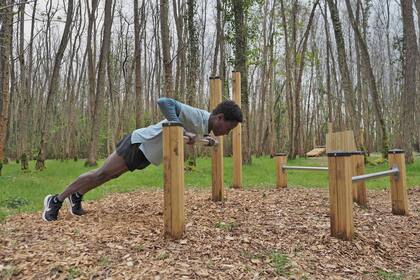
51, 208
75, 205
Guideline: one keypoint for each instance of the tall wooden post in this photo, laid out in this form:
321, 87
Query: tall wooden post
217, 153
359, 188
398, 183
237, 134
173, 165
281, 159
340, 191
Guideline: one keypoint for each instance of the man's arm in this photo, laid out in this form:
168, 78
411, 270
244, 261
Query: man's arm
170, 108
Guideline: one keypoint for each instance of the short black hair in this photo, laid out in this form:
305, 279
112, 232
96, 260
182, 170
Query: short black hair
230, 110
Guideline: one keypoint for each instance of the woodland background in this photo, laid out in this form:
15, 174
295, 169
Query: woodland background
77, 75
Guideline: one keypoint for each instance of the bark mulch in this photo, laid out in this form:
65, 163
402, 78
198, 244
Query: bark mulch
254, 234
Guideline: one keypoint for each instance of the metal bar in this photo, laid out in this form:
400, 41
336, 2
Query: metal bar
314, 168
393, 171
203, 141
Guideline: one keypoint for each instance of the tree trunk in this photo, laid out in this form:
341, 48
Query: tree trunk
53, 87
346, 82
5, 59
409, 72
100, 86
166, 48
137, 57
240, 51
367, 66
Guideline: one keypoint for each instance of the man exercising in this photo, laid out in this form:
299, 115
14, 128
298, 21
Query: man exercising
144, 146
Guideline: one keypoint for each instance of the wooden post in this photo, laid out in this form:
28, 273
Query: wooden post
237, 134
340, 191
217, 153
281, 159
330, 127
359, 188
399, 199
173, 166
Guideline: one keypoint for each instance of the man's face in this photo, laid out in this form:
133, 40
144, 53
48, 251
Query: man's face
222, 126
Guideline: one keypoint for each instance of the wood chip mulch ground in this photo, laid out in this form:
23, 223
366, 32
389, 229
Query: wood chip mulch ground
254, 234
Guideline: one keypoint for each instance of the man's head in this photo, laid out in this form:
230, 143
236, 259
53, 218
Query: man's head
225, 117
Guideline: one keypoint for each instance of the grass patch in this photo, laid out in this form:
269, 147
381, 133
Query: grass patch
104, 261
162, 256
24, 191
7, 272
389, 275
229, 226
73, 273
280, 262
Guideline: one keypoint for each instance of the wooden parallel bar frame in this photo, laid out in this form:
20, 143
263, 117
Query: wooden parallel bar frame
340, 194
237, 134
359, 188
173, 166
218, 192
396, 158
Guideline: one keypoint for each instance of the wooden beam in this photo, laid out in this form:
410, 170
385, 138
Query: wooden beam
237, 134
217, 153
173, 166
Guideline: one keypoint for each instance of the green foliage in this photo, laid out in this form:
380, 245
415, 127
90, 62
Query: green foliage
280, 262
104, 261
229, 226
8, 272
385, 275
14, 203
73, 273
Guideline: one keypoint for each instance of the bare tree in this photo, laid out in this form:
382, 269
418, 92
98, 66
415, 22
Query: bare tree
367, 67
409, 71
53, 87
6, 29
100, 85
166, 47
241, 46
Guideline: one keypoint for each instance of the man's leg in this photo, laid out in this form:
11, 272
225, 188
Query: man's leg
113, 167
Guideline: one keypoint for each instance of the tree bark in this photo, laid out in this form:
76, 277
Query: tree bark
100, 86
367, 66
166, 47
5, 59
53, 87
241, 47
409, 72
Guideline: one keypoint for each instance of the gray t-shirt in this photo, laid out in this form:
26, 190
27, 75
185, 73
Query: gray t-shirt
193, 120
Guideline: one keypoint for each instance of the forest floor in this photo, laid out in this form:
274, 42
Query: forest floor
254, 234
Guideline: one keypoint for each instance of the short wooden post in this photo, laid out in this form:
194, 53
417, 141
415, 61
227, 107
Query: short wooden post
237, 134
173, 165
217, 153
340, 191
359, 188
399, 198
281, 175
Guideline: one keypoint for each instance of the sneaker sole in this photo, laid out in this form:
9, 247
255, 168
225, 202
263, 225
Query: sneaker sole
45, 207
70, 207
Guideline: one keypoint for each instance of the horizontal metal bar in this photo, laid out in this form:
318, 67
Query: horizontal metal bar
314, 168
393, 171
203, 141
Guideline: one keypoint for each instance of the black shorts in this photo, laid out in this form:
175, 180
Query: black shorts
133, 156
